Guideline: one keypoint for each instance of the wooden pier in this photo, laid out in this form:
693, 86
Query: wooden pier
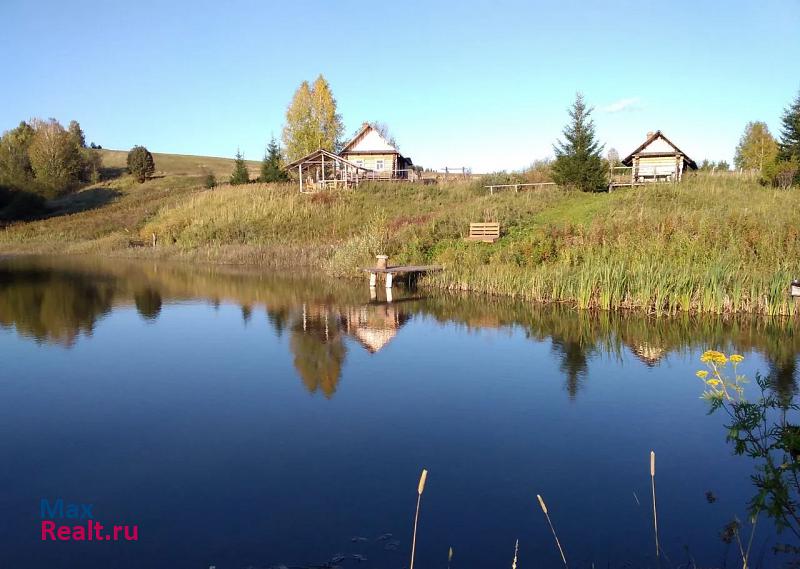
389, 272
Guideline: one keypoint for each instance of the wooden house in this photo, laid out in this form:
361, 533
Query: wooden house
658, 160
370, 150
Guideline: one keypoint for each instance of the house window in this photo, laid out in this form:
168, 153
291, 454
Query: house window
379, 164
360, 163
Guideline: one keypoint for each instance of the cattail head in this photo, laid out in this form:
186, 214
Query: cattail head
541, 503
516, 550
422, 478
652, 463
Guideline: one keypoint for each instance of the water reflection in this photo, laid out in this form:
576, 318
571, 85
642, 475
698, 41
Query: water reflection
57, 300
510, 383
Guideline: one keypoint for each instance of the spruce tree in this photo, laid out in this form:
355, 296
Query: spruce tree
240, 174
790, 132
271, 170
578, 161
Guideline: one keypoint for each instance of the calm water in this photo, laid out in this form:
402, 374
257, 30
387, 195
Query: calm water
243, 419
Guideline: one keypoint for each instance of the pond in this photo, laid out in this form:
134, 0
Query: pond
241, 419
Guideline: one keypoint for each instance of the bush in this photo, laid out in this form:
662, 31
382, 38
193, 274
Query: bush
140, 163
210, 181
782, 174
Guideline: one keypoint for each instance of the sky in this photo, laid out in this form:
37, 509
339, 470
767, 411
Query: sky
483, 85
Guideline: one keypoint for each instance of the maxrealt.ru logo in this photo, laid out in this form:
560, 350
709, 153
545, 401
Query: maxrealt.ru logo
64, 521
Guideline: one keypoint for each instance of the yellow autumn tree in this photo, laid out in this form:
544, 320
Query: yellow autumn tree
312, 121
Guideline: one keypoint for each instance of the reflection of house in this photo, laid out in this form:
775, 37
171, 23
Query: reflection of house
658, 159
374, 326
369, 149
648, 354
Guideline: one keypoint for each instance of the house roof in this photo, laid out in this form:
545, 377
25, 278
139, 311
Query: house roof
385, 147
320, 152
628, 160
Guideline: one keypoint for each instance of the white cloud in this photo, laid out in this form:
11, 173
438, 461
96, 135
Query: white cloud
627, 104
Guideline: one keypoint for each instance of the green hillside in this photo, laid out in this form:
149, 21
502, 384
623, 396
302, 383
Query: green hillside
182, 164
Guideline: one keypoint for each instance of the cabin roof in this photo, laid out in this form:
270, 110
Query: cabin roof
319, 153
366, 129
628, 160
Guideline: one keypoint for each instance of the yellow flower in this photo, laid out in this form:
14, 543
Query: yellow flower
714, 357
736, 358
702, 374
713, 382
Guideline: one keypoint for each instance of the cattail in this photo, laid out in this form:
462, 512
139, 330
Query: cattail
423, 477
558, 543
653, 486
516, 550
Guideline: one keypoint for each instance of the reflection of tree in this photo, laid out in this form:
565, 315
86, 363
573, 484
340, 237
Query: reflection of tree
319, 352
148, 303
247, 313
52, 306
574, 362
279, 318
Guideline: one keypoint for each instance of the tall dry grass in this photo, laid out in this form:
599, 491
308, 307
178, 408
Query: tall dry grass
711, 244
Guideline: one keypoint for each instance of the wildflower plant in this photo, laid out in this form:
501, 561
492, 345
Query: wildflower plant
721, 383
765, 430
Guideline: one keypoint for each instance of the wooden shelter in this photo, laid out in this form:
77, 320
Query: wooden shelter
322, 169
657, 159
370, 149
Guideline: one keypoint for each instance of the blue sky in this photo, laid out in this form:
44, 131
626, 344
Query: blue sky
477, 84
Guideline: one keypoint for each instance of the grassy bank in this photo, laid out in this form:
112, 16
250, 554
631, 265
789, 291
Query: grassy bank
710, 244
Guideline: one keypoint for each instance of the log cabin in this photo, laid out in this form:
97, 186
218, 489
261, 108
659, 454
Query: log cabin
369, 149
658, 160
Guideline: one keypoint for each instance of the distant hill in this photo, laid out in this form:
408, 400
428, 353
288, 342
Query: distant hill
182, 164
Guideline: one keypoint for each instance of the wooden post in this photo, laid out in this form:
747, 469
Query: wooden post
323, 170
300, 171
388, 280
373, 280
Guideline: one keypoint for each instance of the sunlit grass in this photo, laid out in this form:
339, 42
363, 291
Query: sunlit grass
708, 245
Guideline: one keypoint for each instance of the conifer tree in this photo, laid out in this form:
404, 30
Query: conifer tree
790, 132
240, 174
271, 170
578, 161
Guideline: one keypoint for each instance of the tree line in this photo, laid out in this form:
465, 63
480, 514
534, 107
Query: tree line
41, 160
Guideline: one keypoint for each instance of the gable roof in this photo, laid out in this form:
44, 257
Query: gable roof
373, 138
320, 152
652, 138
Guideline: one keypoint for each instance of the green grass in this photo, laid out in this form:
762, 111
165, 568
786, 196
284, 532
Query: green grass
182, 164
709, 245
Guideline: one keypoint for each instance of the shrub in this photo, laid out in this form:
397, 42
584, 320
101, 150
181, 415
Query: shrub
210, 181
140, 163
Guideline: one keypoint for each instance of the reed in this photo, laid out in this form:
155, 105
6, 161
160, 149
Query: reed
516, 551
552, 529
420, 488
707, 245
653, 487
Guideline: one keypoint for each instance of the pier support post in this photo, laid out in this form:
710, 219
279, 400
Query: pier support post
373, 280
388, 280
